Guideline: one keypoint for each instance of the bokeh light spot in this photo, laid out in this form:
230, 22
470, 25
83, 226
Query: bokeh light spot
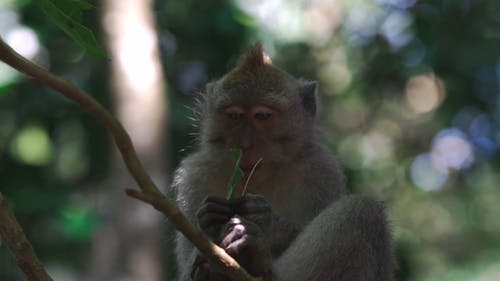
71, 161
32, 146
424, 93
396, 29
78, 222
24, 41
283, 19
452, 150
425, 175
349, 112
376, 146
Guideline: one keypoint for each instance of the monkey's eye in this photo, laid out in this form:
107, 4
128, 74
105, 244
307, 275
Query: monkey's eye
234, 113
262, 113
235, 116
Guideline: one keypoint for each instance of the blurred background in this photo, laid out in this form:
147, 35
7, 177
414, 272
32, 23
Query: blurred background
409, 99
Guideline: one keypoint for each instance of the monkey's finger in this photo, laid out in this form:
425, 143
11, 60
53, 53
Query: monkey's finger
231, 234
234, 248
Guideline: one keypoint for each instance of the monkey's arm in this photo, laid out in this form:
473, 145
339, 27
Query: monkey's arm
348, 240
282, 234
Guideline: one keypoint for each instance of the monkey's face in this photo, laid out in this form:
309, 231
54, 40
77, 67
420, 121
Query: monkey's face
260, 109
262, 130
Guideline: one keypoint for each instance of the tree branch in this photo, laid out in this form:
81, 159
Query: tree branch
14, 238
149, 192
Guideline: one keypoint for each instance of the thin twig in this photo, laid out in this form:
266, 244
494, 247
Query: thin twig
250, 176
149, 192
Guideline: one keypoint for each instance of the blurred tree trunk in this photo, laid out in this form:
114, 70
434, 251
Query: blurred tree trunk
128, 245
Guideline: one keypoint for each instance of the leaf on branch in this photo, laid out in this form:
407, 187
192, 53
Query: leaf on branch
237, 173
67, 14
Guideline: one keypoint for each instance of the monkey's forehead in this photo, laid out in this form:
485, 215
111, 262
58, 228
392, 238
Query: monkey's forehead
266, 76
281, 100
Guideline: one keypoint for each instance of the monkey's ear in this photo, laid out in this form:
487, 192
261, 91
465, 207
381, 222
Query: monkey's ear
307, 92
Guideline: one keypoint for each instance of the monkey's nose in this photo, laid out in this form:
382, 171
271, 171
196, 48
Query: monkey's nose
245, 144
246, 138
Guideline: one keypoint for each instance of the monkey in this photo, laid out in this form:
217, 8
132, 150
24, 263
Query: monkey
296, 221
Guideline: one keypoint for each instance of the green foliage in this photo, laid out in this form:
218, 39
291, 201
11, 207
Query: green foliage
237, 173
78, 222
68, 16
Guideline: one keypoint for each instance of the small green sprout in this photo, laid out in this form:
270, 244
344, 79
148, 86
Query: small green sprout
237, 173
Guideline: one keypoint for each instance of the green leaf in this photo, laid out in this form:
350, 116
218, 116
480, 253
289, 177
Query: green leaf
67, 14
73, 8
237, 173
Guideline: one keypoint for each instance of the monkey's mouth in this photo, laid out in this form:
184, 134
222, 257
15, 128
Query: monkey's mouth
246, 167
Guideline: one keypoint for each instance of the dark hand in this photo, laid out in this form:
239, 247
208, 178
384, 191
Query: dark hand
247, 244
214, 213
254, 208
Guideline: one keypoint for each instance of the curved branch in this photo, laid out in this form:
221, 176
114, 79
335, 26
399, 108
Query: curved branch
14, 238
149, 192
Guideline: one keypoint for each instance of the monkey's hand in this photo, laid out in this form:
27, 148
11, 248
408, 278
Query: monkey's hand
213, 214
256, 209
245, 242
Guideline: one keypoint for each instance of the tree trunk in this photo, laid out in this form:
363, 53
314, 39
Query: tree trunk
129, 242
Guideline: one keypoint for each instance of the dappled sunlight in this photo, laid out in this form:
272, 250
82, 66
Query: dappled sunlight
135, 57
137, 73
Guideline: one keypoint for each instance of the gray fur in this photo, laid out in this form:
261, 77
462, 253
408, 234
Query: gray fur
319, 232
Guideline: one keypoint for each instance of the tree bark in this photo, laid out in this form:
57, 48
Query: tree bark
14, 238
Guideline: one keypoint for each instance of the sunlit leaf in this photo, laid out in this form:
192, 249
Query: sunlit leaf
244, 19
237, 173
67, 15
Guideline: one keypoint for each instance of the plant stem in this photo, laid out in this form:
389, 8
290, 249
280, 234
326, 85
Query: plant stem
250, 176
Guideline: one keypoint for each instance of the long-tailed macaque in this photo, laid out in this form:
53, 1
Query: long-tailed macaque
296, 221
